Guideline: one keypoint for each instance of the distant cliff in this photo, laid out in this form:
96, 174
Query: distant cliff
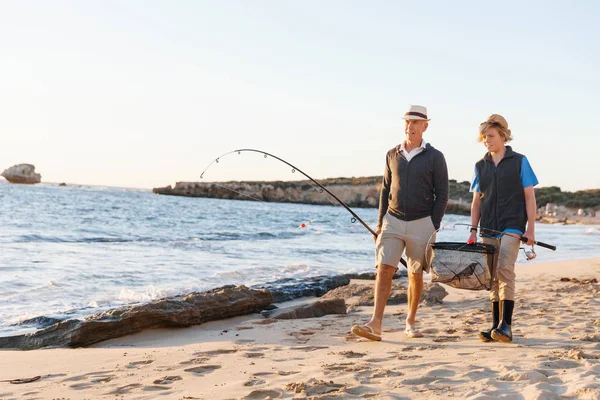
355, 192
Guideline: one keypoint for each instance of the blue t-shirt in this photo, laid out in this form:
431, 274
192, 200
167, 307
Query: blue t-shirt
528, 179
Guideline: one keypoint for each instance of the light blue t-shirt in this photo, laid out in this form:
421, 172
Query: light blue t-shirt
528, 179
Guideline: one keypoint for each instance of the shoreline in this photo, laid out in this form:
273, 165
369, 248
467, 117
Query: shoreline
283, 290
556, 352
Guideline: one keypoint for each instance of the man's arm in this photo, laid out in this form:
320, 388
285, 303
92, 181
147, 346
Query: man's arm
385, 192
440, 186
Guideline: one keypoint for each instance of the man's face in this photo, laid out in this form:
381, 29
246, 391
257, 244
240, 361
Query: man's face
414, 129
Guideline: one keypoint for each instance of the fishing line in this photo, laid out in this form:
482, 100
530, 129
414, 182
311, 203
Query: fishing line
320, 188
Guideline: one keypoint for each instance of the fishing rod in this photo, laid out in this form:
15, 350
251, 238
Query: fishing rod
515, 235
294, 169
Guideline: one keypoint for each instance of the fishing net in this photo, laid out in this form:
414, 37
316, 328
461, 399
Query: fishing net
463, 266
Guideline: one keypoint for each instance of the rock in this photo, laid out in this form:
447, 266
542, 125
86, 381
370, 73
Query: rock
22, 173
62, 184
289, 289
433, 293
313, 310
178, 311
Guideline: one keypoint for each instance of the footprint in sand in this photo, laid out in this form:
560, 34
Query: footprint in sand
315, 387
479, 374
126, 389
371, 375
199, 360
286, 373
419, 381
379, 359
338, 368
430, 377
263, 394
203, 369
85, 376
560, 364
91, 379
309, 348
361, 392
441, 373
155, 388
430, 331
441, 339
254, 355
530, 376
167, 380
591, 338
215, 352
263, 373
348, 354
254, 382
408, 357
135, 364
422, 348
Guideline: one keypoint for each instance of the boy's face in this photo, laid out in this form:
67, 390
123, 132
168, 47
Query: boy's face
493, 140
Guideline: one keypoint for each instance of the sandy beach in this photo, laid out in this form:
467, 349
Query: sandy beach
555, 354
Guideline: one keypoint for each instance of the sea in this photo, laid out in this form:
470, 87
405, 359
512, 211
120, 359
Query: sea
73, 251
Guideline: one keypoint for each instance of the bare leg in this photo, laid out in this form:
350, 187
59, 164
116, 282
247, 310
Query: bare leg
415, 290
383, 287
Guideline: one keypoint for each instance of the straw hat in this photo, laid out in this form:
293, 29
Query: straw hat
416, 112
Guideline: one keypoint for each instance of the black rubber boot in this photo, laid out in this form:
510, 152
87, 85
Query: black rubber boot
486, 336
503, 332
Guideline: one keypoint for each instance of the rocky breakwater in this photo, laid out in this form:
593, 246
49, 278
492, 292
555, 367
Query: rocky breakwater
355, 192
178, 311
22, 173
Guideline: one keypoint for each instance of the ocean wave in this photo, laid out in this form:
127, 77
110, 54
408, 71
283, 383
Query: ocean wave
213, 236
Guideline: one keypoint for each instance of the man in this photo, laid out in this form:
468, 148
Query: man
413, 200
503, 201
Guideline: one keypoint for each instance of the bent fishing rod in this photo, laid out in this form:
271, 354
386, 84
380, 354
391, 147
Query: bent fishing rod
515, 235
294, 169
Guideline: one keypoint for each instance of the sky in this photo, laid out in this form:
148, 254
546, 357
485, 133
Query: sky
147, 93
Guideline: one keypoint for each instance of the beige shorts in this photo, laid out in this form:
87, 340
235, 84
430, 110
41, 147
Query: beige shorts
397, 235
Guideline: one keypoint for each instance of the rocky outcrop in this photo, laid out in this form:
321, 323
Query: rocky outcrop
291, 288
313, 310
22, 173
362, 192
355, 192
178, 311
363, 295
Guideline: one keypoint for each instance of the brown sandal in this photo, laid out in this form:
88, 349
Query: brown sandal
365, 331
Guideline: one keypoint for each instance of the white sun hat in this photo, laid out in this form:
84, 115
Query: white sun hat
416, 112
